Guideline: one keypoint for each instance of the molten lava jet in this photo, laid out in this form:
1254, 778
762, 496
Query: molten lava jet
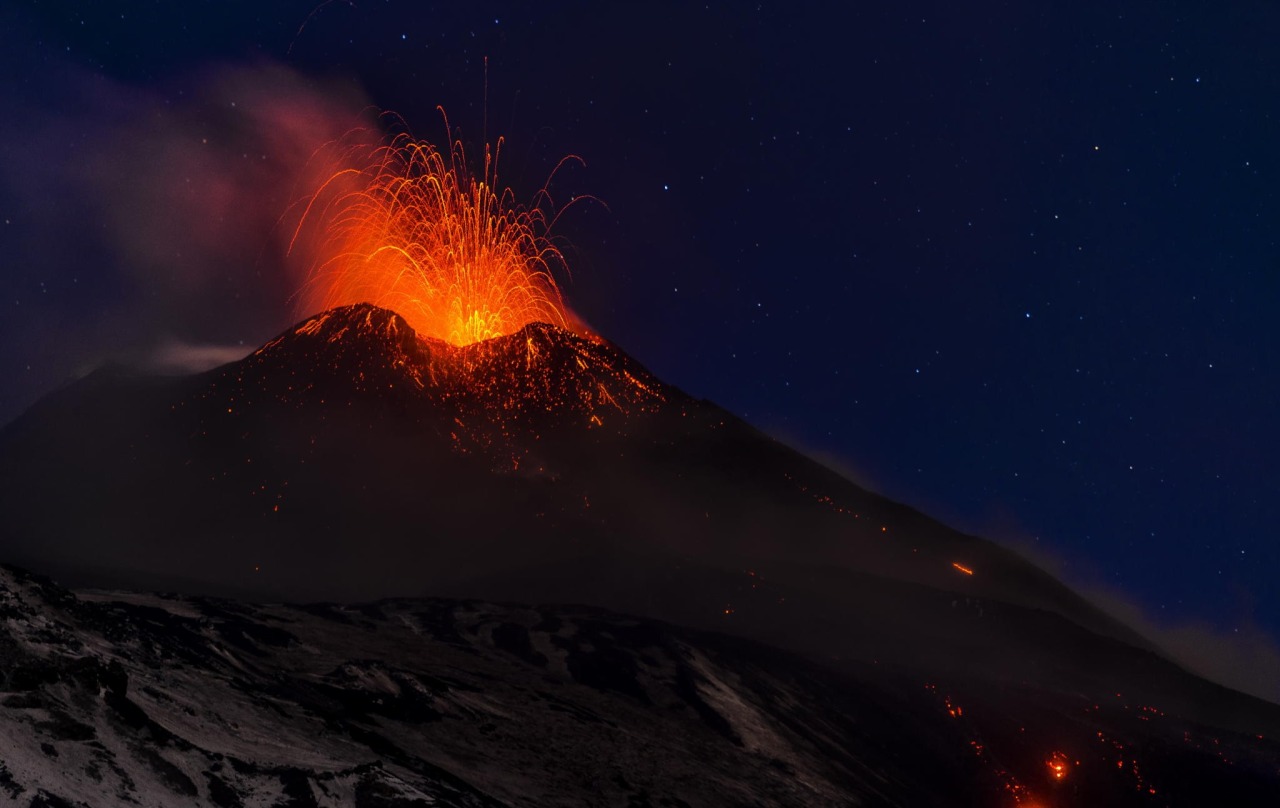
411, 229
427, 278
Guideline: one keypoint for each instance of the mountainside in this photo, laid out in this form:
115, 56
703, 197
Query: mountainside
119, 698
500, 455
156, 701
350, 460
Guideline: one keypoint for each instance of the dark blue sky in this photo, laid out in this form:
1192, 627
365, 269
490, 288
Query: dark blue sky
1017, 267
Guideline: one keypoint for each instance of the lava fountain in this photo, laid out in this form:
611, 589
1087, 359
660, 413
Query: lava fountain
410, 228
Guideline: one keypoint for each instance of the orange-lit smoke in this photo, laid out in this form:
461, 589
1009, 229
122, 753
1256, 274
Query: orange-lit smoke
409, 228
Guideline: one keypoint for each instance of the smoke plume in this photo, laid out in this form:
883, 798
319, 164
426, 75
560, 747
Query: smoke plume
150, 223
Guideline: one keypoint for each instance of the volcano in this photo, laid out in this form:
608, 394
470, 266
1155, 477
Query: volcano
351, 460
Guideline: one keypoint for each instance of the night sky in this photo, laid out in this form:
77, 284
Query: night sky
1014, 264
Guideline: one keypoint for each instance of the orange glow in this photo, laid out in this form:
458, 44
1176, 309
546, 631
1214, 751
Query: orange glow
411, 229
1058, 766
962, 568
540, 377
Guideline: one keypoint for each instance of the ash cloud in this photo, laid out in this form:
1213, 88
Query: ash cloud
197, 200
150, 224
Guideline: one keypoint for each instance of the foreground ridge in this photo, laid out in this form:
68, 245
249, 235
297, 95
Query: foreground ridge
155, 700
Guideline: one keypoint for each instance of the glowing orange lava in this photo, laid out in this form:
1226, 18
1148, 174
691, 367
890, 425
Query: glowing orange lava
962, 568
1058, 767
412, 230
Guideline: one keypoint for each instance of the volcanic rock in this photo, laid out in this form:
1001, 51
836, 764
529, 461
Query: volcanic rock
350, 460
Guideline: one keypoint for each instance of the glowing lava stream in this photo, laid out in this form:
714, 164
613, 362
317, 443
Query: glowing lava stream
415, 232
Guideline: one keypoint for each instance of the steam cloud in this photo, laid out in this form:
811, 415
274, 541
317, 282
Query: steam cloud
150, 224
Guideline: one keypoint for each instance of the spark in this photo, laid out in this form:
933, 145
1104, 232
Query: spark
962, 568
410, 228
1058, 766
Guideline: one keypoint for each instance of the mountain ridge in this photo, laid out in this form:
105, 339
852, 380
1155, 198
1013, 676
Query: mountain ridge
362, 370
350, 460
157, 700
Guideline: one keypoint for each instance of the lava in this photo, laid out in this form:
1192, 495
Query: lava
1058, 766
410, 228
482, 395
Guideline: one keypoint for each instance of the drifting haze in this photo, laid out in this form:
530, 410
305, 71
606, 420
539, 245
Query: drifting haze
1243, 656
150, 225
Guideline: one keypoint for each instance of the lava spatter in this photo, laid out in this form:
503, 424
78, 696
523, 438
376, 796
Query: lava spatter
411, 228
539, 377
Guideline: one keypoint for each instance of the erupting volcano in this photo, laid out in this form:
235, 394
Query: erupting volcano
434, 426
412, 229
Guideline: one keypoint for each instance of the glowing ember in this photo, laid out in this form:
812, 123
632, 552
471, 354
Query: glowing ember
415, 232
490, 396
962, 568
1058, 766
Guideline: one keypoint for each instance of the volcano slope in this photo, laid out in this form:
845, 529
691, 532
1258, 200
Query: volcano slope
351, 460
162, 701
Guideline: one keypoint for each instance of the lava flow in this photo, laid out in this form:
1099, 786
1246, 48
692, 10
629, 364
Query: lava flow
411, 229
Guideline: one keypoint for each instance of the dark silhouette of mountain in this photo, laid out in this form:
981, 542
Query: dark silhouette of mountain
125, 698
351, 460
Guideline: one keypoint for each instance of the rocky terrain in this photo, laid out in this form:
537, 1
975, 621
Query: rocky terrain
744, 626
117, 698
